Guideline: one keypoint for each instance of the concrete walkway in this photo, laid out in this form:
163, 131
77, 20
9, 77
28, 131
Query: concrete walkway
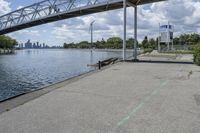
124, 98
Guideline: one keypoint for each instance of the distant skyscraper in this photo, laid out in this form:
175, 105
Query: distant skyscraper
21, 45
34, 45
28, 44
37, 45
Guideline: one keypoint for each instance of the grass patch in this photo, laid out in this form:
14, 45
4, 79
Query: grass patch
178, 52
148, 50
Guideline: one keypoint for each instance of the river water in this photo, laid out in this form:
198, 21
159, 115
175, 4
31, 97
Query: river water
29, 70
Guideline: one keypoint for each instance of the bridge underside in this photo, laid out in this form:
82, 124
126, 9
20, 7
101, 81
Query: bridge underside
111, 5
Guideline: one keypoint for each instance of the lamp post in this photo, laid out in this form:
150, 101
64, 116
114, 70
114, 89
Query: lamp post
91, 32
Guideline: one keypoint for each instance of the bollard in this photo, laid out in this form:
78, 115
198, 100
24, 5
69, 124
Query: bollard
99, 65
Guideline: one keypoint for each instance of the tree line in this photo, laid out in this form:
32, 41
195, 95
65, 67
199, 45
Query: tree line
147, 43
111, 43
7, 42
189, 39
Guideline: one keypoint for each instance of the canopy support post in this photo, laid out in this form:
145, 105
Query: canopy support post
124, 30
135, 35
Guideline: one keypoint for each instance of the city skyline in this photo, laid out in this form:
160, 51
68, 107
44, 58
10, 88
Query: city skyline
35, 45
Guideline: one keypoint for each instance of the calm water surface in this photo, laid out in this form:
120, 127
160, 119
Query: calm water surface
29, 70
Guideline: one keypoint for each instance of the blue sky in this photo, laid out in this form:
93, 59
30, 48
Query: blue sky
14, 4
183, 14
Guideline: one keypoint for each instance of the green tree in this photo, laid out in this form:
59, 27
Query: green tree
70, 45
176, 41
194, 38
145, 42
130, 43
114, 42
7, 42
152, 43
84, 45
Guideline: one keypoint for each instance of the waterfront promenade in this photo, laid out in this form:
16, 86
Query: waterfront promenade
124, 98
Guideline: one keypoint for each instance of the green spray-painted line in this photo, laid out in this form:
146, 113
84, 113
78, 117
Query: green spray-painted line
125, 119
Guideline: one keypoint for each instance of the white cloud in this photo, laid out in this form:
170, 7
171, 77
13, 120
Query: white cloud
4, 7
29, 32
19, 7
184, 14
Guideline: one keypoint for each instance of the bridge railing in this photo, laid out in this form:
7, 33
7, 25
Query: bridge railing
44, 9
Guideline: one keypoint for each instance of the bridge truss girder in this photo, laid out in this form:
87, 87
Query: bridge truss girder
52, 10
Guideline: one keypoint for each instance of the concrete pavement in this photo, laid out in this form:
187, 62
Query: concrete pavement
124, 98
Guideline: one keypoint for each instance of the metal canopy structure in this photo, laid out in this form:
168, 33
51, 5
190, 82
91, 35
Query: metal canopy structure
54, 10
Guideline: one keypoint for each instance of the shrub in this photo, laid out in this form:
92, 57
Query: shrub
148, 50
197, 54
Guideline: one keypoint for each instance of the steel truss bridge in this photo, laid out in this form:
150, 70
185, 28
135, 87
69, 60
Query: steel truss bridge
53, 10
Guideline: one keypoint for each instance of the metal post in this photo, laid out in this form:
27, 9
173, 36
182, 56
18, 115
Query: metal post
173, 38
135, 34
159, 40
99, 64
91, 28
124, 31
91, 37
168, 37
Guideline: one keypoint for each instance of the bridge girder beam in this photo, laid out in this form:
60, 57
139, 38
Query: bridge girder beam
53, 10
